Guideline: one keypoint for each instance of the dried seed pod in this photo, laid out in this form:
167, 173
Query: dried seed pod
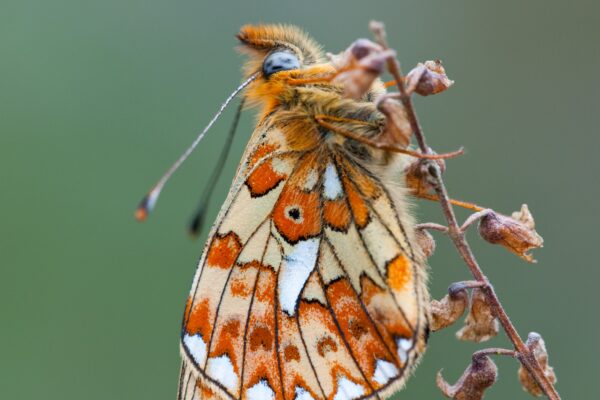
538, 346
448, 310
428, 78
426, 242
354, 53
480, 324
418, 177
480, 375
516, 233
397, 129
359, 66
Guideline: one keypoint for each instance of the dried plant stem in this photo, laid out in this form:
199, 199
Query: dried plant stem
523, 353
430, 226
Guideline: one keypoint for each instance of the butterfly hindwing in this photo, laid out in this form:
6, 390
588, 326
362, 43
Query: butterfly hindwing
308, 288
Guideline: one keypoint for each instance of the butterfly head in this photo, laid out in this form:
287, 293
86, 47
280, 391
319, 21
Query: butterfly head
271, 46
277, 53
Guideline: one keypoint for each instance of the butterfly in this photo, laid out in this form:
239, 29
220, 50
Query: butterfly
311, 285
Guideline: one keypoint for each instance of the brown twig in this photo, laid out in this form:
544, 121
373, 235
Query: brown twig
522, 352
432, 227
494, 351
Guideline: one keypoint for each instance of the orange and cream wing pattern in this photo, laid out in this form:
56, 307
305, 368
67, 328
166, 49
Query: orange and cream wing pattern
308, 287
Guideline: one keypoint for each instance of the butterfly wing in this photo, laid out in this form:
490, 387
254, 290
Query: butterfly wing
309, 287
238, 257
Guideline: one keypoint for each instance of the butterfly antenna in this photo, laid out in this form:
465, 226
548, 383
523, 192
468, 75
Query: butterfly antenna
149, 201
197, 220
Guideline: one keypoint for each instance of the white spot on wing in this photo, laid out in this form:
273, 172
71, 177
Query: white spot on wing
302, 394
348, 390
221, 370
260, 391
332, 184
311, 180
281, 165
295, 270
196, 347
384, 371
404, 345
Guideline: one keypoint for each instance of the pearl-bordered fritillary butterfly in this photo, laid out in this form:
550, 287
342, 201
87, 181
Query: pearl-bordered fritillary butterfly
311, 285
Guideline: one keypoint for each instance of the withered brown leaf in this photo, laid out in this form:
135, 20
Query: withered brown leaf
516, 233
480, 324
538, 346
359, 66
448, 310
479, 376
397, 130
428, 78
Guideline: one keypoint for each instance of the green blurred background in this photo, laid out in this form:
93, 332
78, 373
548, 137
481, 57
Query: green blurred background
97, 98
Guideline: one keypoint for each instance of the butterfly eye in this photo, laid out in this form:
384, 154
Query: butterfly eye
280, 61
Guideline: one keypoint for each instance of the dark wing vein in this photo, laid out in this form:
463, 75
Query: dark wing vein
308, 355
212, 333
275, 313
362, 305
262, 258
343, 336
367, 249
414, 263
216, 227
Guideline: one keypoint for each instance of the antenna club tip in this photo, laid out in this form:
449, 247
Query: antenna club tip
141, 214
146, 205
195, 225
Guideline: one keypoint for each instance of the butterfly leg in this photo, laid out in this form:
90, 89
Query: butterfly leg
325, 78
329, 122
454, 202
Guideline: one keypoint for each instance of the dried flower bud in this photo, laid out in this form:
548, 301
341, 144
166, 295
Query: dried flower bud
397, 130
428, 78
516, 233
426, 242
478, 376
480, 324
448, 310
538, 346
358, 50
418, 177
359, 66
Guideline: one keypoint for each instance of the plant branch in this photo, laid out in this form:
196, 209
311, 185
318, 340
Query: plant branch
495, 352
523, 353
474, 218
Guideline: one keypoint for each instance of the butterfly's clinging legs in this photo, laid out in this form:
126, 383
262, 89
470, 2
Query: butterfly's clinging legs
328, 122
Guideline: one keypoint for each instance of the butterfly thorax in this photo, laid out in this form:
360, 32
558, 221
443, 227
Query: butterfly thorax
293, 109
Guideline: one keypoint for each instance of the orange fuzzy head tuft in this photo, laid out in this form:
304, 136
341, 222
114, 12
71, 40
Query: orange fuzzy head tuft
284, 49
257, 41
